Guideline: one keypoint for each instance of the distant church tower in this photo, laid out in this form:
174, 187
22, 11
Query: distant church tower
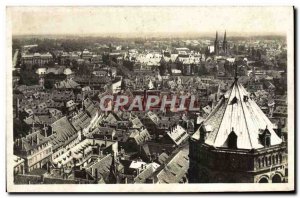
216, 44
221, 48
225, 47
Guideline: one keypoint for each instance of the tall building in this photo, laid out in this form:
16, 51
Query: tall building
221, 48
216, 45
225, 46
35, 149
237, 143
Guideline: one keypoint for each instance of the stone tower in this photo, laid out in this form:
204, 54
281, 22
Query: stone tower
237, 143
225, 45
216, 45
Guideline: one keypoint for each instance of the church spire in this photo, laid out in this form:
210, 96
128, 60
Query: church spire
113, 175
225, 48
216, 44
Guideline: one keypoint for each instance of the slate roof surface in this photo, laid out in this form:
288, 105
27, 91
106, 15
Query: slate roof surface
243, 116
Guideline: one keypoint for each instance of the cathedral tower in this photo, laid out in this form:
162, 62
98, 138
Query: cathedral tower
216, 44
225, 47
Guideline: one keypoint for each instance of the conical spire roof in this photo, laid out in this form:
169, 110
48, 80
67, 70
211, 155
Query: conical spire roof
237, 112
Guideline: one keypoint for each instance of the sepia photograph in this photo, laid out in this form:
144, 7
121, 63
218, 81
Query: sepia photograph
150, 99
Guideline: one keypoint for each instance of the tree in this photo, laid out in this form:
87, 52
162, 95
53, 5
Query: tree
105, 59
28, 77
48, 84
163, 66
20, 128
202, 70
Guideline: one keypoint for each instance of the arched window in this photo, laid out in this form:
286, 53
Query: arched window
263, 180
276, 179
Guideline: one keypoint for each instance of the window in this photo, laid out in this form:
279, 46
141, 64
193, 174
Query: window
234, 101
258, 161
268, 141
232, 140
280, 158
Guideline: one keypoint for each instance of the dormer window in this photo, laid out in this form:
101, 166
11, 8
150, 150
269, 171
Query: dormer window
232, 140
234, 101
265, 137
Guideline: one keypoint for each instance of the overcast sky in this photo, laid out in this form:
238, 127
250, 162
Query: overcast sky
148, 20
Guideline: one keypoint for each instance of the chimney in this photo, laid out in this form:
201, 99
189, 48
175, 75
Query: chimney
37, 139
98, 149
33, 126
45, 131
93, 172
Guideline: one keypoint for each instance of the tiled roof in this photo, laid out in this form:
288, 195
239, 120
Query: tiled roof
90, 107
30, 142
162, 158
63, 131
67, 84
140, 135
178, 134
146, 173
136, 123
81, 120
175, 168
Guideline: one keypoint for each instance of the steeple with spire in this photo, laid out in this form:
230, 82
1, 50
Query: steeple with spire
216, 44
225, 47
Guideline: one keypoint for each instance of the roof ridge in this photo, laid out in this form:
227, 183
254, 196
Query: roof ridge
224, 112
244, 116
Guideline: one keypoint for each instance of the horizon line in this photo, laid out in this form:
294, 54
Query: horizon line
158, 34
